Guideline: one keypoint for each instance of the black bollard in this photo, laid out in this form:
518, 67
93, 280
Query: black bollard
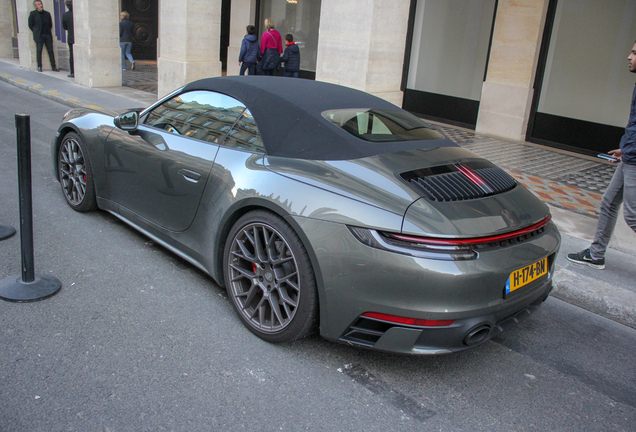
6, 232
29, 287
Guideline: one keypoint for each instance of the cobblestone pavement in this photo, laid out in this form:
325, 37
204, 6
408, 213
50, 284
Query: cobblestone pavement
562, 179
144, 77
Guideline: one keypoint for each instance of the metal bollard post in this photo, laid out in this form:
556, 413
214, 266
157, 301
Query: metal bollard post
29, 287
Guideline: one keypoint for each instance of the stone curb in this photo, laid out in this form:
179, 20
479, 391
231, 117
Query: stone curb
591, 294
61, 98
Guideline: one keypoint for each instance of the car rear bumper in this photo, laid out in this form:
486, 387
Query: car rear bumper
462, 334
354, 279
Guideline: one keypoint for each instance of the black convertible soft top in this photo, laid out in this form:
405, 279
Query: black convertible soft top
288, 112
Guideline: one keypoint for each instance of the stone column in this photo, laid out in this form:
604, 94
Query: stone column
507, 93
6, 29
26, 45
361, 45
189, 38
242, 14
96, 49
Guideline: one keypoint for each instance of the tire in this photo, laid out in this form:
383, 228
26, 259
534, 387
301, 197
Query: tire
75, 174
269, 278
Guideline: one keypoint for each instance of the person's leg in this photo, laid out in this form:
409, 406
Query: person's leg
129, 55
39, 45
48, 41
629, 195
610, 204
71, 63
268, 72
251, 68
122, 46
243, 68
286, 73
295, 74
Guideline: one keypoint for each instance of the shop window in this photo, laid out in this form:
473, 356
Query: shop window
448, 58
301, 18
585, 86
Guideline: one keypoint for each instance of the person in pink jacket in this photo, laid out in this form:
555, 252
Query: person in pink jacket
271, 48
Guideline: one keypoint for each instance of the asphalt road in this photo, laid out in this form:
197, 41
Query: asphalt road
138, 339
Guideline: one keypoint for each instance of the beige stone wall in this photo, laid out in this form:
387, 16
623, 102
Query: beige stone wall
26, 45
242, 14
96, 50
6, 29
189, 38
507, 92
361, 45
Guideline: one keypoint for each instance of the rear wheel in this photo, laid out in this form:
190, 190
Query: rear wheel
269, 278
75, 174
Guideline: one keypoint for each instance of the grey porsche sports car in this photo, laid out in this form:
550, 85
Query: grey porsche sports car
319, 207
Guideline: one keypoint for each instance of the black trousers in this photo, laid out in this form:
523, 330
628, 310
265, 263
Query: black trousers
70, 58
45, 39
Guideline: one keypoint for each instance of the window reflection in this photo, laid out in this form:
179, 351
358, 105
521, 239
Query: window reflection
203, 115
245, 135
379, 125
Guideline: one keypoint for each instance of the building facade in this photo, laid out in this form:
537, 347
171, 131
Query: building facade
547, 71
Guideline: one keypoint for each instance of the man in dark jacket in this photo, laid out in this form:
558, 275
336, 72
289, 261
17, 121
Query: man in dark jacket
41, 23
67, 23
621, 190
291, 57
249, 52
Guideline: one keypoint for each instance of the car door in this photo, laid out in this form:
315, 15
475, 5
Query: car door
159, 171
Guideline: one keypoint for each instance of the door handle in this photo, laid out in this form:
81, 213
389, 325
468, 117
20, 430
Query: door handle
191, 176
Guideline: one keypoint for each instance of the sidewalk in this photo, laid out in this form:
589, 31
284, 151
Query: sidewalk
570, 184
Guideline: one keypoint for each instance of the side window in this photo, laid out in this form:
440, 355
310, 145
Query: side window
204, 115
245, 135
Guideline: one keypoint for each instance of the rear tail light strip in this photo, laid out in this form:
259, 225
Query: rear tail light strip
448, 249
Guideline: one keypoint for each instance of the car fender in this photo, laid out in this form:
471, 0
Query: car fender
93, 129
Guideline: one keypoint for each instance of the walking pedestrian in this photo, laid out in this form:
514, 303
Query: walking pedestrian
291, 58
621, 189
67, 23
41, 23
249, 52
271, 48
126, 35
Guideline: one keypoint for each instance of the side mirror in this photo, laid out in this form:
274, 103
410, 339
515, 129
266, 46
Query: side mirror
128, 121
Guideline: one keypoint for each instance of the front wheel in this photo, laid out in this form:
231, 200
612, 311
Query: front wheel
269, 278
75, 174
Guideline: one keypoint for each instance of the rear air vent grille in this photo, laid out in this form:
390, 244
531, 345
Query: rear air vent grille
459, 182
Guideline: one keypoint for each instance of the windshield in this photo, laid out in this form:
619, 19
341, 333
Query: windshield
379, 125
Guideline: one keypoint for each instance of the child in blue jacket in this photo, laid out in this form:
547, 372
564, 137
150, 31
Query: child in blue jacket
291, 57
248, 56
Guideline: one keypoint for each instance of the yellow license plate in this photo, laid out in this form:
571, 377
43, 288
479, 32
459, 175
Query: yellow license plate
524, 276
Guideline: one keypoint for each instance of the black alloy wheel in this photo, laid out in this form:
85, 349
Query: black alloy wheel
269, 278
75, 174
